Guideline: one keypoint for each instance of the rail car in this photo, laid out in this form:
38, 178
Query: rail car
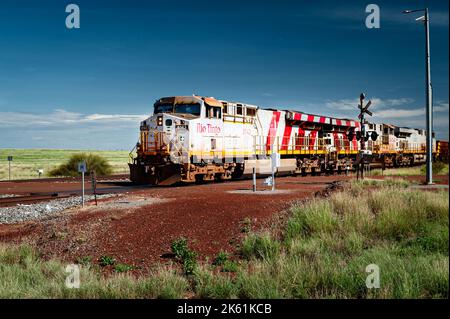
195, 138
442, 153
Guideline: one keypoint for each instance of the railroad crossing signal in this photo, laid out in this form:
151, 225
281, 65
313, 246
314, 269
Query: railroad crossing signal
363, 136
364, 109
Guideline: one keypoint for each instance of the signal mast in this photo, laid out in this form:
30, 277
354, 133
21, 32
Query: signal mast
364, 136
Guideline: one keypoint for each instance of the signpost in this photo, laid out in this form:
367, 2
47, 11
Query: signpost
82, 169
10, 158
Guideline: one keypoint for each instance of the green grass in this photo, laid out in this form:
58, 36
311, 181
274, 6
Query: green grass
439, 168
26, 162
24, 275
328, 243
325, 247
185, 255
221, 258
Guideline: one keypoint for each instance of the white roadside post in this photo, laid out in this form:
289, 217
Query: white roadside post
254, 179
275, 157
82, 170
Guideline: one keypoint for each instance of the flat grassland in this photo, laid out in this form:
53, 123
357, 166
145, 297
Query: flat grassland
439, 168
26, 162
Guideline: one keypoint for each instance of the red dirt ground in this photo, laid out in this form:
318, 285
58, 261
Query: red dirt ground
208, 215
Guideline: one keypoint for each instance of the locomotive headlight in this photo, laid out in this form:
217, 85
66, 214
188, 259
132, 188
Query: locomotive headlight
159, 122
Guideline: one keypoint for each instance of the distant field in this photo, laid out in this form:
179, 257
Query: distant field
438, 169
26, 162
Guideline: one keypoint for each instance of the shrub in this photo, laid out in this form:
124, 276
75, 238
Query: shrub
85, 260
179, 247
106, 261
213, 285
260, 246
230, 266
93, 162
438, 168
190, 262
123, 268
246, 225
313, 217
185, 255
221, 258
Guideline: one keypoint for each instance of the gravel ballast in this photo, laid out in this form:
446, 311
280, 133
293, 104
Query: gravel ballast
20, 213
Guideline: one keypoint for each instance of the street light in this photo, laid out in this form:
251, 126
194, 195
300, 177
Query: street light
429, 109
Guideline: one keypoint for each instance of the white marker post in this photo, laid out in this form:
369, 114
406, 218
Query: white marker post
82, 170
254, 179
275, 163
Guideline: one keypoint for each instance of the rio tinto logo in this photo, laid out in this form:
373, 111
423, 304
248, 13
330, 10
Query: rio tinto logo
208, 128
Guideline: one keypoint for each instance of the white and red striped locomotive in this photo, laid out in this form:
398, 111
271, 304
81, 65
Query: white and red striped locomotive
194, 138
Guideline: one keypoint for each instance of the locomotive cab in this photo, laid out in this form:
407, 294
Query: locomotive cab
181, 131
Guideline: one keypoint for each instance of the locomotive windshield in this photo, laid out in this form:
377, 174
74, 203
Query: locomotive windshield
193, 109
163, 108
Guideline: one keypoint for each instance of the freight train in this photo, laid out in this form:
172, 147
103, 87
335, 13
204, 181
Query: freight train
195, 138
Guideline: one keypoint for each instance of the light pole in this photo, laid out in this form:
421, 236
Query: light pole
429, 108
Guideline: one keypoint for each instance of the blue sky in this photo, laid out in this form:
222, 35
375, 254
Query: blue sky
90, 87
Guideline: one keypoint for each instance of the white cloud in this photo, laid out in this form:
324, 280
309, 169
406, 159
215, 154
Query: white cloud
395, 102
392, 114
60, 117
69, 130
114, 117
441, 107
352, 104
343, 105
401, 112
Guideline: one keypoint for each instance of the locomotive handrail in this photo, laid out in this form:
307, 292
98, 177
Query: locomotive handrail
130, 155
156, 142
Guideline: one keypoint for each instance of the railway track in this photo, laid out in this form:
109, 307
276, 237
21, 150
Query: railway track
117, 185
30, 199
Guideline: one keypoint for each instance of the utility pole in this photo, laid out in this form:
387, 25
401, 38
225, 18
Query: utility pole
429, 102
428, 89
